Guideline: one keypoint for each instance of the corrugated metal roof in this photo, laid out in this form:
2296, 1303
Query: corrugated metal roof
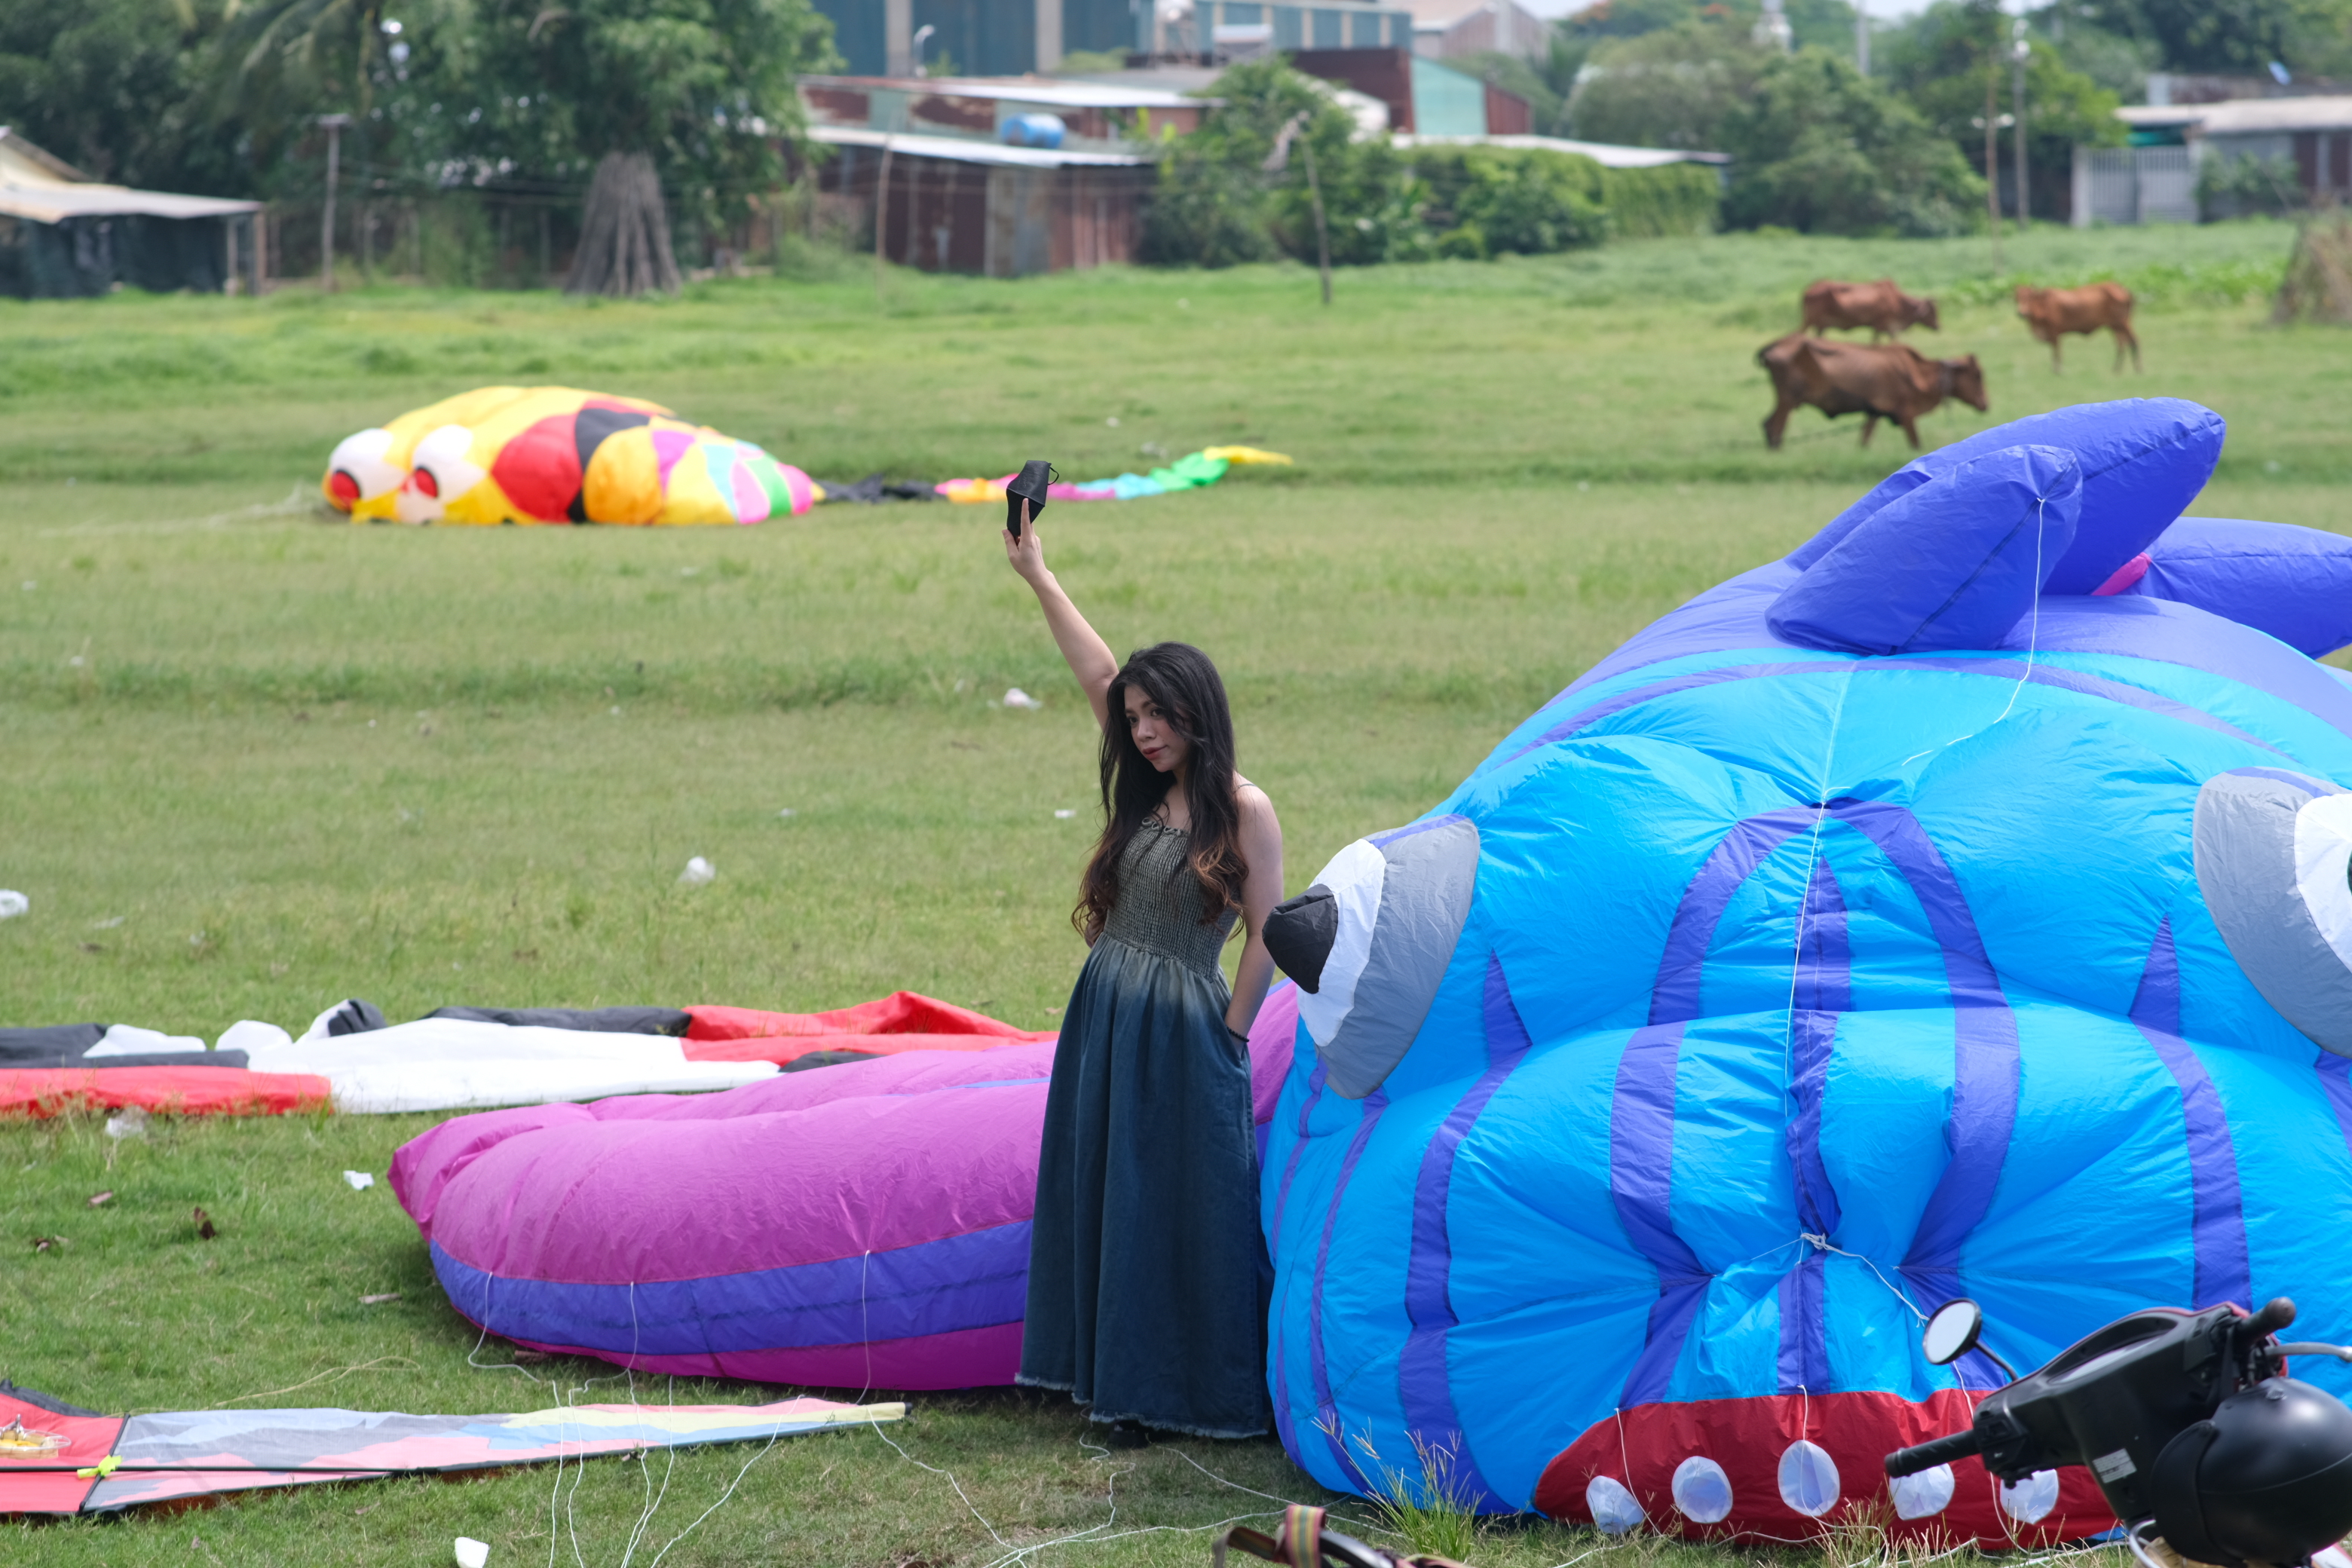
960, 151
1068, 94
1607, 155
43, 188
54, 204
2247, 116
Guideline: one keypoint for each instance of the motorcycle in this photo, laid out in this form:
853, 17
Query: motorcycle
2187, 1420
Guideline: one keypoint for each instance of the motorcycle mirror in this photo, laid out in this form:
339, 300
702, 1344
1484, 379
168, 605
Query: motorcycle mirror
1952, 1332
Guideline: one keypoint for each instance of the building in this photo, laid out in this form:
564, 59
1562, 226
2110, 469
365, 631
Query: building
1422, 95
63, 234
1013, 38
1444, 29
2156, 179
1002, 177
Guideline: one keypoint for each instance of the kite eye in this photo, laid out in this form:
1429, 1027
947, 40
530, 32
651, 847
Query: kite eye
2274, 864
1369, 944
359, 472
443, 472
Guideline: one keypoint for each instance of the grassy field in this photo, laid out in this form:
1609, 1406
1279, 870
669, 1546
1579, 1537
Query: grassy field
260, 761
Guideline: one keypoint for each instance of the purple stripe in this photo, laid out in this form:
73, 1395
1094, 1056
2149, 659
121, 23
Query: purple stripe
1986, 1066
1642, 1110
1327, 1412
2223, 1270
1824, 988
970, 1281
2005, 669
1641, 1185
2335, 1080
1383, 840
1675, 998
1284, 1426
1804, 1347
1424, 1386
2311, 786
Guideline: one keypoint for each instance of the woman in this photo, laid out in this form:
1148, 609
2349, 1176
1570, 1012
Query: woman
1147, 1275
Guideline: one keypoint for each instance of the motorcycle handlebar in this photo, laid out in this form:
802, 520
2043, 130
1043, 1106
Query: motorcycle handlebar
1927, 1456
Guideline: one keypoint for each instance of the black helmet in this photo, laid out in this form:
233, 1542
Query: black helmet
2268, 1478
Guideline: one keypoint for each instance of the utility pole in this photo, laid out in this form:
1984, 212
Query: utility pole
1993, 152
335, 124
1294, 129
1861, 37
2020, 52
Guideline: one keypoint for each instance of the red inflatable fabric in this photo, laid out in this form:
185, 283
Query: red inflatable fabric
1642, 1449
902, 1021
43, 1092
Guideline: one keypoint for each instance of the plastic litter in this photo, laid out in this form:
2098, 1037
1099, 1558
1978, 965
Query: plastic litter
13, 903
1064, 814
109, 923
472, 1553
380, 1300
130, 1123
1016, 698
359, 1180
697, 872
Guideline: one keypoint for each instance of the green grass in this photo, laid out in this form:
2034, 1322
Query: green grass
299, 761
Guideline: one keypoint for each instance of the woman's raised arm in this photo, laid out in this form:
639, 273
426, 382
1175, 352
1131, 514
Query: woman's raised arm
1088, 656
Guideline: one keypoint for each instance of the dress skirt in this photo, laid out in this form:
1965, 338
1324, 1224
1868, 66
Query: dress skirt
1147, 1272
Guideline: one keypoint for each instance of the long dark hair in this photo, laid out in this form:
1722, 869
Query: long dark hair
1180, 678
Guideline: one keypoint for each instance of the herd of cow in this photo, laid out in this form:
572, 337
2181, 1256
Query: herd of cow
1891, 380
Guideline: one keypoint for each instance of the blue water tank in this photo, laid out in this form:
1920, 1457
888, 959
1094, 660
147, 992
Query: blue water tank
1034, 131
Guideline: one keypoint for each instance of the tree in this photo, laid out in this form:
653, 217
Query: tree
1941, 62
2235, 35
1818, 147
680, 92
1215, 205
1815, 24
113, 87
1667, 89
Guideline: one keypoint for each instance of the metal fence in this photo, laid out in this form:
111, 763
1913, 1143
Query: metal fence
2133, 185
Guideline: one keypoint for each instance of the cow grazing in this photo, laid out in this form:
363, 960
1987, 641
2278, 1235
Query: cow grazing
1882, 307
2054, 312
1880, 381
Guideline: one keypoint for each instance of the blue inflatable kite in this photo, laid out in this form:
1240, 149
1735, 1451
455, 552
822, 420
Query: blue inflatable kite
1958, 906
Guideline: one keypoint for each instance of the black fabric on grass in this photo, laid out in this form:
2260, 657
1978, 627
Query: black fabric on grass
39, 1401
40, 1046
597, 1020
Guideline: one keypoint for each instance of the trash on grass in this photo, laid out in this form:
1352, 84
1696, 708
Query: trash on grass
13, 903
379, 1301
359, 1180
205, 1230
472, 1553
130, 1123
18, 1441
1064, 814
697, 872
1016, 698
99, 1200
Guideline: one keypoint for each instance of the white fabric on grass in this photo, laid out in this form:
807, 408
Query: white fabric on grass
461, 1064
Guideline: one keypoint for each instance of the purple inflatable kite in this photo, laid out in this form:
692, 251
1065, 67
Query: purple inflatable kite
859, 1226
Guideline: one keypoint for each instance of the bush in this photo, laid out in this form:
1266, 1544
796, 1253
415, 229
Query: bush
1215, 206
1820, 148
1671, 200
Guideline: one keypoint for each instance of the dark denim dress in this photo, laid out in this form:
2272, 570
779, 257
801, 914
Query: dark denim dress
1148, 1273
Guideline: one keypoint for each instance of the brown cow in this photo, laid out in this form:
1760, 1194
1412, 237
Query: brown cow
2054, 312
1881, 381
1886, 309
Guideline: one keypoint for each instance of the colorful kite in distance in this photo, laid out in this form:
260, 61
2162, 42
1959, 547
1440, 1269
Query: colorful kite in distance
553, 455
1190, 472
